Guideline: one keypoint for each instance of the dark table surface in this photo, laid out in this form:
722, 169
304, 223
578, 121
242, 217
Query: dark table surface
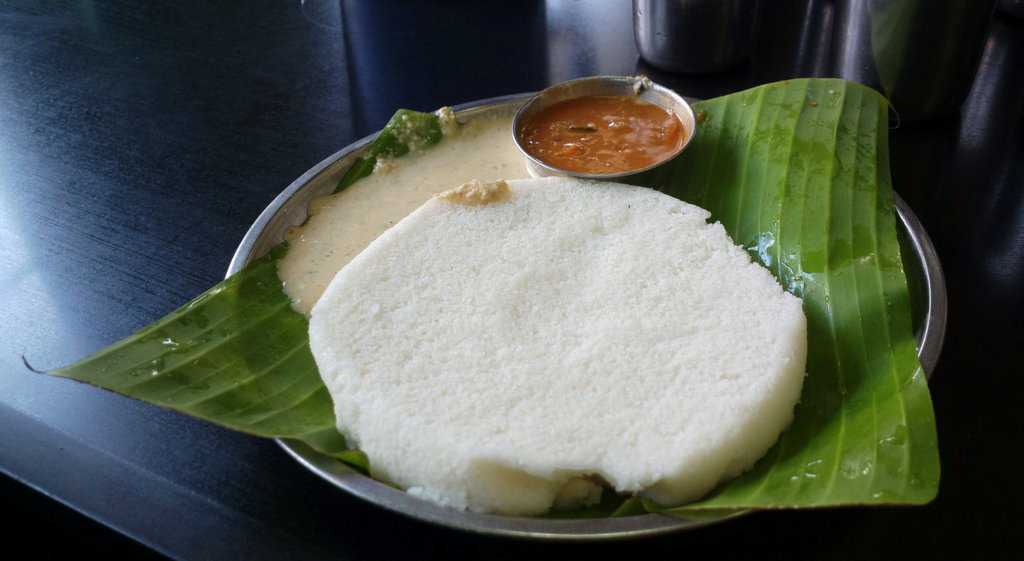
138, 141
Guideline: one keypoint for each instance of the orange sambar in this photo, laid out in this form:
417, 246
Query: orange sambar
602, 134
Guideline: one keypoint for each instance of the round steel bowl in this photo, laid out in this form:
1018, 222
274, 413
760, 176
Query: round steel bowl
289, 209
638, 86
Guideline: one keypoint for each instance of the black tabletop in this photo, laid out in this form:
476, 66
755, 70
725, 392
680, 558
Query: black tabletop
138, 141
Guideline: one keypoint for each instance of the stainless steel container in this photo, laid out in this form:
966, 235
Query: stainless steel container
1012, 8
921, 54
638, 86
694, 35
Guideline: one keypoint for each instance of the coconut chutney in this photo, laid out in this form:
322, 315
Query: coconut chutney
343, 224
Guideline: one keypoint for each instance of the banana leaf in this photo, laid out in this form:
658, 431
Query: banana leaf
796, 171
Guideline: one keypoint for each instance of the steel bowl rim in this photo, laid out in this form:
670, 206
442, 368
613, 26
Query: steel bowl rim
644, 82
585, 529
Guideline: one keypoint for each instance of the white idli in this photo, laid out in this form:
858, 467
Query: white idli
504, 340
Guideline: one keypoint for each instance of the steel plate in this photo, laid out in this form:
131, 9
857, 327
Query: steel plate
928, 294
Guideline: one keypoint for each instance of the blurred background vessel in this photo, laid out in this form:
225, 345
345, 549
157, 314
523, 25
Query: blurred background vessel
694, 36
922, 54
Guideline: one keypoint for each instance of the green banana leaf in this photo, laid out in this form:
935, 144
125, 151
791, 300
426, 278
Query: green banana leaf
238, 356
796, 171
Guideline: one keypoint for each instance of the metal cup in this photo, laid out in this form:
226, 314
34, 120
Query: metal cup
1012, 8
638, 86
694, 35
922, 54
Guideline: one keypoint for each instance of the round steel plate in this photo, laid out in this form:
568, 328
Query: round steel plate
928, 294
